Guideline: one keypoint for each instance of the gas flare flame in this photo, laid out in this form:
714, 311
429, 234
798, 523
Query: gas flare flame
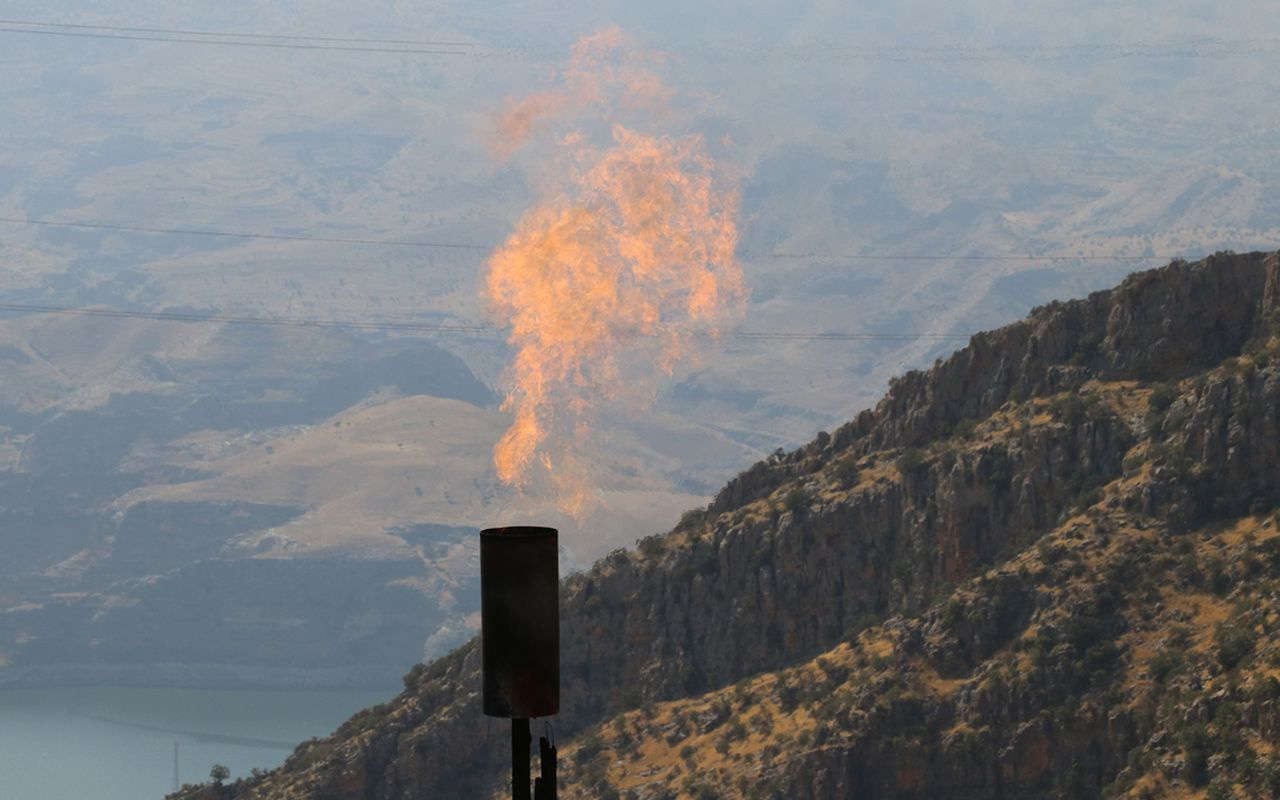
614, 279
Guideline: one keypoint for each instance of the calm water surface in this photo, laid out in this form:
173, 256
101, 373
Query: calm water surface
118, 744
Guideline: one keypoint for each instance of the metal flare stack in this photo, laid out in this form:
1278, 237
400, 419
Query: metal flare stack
520, 641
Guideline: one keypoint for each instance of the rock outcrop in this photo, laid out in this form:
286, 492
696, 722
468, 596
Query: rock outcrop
956, 571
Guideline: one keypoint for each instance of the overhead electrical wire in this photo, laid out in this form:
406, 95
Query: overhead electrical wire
772, 336
482, 330
467, 246
231, 43
1201, 47
284, 45
286, 322
232, 34
487, 330
411, 46
240, 234
832, 51
979, 257
461, 329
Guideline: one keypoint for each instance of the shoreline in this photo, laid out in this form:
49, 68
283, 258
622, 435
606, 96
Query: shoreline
359, 677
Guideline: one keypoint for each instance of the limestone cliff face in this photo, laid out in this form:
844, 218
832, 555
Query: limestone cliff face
1159, 324
957, 470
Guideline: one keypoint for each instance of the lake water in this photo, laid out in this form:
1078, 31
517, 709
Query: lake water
118, 744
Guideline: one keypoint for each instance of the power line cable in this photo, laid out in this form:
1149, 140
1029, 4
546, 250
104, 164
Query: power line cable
944, 257
815, 50
465, 246
426, 327
240, 234
774, 336
287, 322
231, 43
284, 36
1203, 47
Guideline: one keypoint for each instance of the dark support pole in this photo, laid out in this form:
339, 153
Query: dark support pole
544, 788
520, 640
520, 739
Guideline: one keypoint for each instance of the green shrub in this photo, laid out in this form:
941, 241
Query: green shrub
789, 695
1267, 691
1195, 758
607, 793
651, 546
691, 519
617, 558
798, 500
1161, 397
592, 744
762, 556
837, 674
846, 472
1180, 637
909, 461
1165, 664
1269, 776
414, 675
1087, 348
1068, 408
1220, 789
632, 697
1219, 578
1235, 643
1188, 571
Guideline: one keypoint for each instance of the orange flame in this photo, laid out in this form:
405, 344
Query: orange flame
517, 124
606, 71
610, 282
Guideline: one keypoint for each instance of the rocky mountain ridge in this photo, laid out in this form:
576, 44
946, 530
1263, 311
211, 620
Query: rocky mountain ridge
991, 517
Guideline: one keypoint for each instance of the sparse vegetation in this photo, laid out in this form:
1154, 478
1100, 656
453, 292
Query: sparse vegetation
846, 472
909, 461
1052, 598
798, 500
1234, 643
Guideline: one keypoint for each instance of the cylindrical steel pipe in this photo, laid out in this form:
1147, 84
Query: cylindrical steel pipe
520, 621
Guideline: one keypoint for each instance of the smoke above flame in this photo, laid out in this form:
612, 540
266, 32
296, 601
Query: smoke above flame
621, 273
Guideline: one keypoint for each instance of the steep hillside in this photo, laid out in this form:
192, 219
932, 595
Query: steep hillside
1045, 567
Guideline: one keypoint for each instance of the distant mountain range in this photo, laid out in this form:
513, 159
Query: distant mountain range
1046, 567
